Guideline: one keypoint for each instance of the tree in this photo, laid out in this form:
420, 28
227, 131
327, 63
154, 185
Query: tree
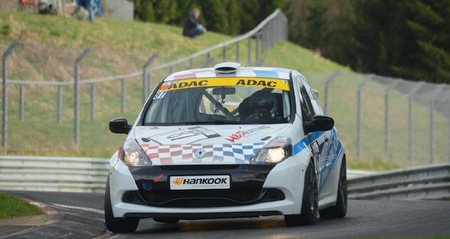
429, 23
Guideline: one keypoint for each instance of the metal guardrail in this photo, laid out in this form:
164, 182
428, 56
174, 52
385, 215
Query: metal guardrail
70, 174
62, 174
415, 183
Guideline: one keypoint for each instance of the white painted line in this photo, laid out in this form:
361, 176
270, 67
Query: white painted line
81, 208
120, 235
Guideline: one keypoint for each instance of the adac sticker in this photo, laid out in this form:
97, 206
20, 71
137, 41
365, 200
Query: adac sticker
231, 81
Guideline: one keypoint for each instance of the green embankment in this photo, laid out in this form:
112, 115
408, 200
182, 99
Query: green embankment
113, 40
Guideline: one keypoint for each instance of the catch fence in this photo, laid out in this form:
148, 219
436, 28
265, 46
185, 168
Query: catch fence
59, 100
55, 91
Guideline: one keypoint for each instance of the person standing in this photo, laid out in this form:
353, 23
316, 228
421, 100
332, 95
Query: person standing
192, 26
89, 6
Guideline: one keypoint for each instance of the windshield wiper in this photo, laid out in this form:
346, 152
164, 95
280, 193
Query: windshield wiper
215, 122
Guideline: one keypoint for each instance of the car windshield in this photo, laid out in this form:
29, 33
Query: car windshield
220, 101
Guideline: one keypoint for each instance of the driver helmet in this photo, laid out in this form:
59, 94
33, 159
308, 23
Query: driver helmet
262, 100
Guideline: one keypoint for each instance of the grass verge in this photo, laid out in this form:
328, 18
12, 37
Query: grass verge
13, 206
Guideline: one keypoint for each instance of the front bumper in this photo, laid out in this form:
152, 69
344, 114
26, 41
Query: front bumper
256, 190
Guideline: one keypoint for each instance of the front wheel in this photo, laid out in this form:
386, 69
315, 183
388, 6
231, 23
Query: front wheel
114, 224
310, 208
340, 209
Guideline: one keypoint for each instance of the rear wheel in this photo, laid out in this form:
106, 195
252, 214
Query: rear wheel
340, 209
115, 224
310, 209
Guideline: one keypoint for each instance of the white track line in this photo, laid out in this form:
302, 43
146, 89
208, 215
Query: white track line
81, 208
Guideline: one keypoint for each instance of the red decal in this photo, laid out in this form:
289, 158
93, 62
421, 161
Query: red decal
156, 180
238, 135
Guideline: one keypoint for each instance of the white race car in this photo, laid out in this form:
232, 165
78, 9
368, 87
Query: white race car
225, 142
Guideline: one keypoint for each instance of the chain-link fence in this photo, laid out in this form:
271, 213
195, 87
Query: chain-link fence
58, 100
381, 118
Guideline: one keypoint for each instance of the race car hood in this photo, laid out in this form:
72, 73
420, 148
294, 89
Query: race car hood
206, 144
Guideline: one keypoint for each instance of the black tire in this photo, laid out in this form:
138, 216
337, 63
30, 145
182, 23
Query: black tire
310, 208
166, 220
340, 209
114, 224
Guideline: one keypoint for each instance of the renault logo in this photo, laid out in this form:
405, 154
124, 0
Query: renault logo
200, 153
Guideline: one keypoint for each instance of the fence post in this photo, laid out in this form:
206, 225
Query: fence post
359, 115
21, 101
249, 60
327, 86
386, 116
191, 63
237, 51
224, 54
145, 77
5, 95
123, 96
448, 117
93, 102
257, 48
59, 104
432, 106
411, 94
76, 89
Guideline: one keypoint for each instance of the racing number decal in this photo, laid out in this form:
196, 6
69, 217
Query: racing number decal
192, 134
183, 134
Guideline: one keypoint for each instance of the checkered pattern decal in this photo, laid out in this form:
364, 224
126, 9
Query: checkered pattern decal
214, 153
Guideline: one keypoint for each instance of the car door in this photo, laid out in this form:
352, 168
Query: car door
319, 140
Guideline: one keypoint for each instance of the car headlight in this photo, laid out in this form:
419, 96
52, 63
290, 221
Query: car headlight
133, 155
274, 152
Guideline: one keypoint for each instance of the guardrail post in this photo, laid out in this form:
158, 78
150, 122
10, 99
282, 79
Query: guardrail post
432, 106
327, 86
249, 60
224, 54
59, 104
21, 101
76, 118
386, 116
145, 78
93, 102
411, 94
123, 96
237, 52
170, 71
5, 95
359, 116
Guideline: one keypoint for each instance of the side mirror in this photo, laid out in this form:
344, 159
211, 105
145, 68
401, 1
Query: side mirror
119, 126
319, 123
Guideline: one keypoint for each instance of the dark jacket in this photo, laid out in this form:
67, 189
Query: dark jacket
189, 25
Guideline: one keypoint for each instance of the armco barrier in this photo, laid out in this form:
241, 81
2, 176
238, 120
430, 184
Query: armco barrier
65, 174
69, 174
425, 182
60, 174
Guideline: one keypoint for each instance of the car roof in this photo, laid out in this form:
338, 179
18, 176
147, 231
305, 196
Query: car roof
263, 72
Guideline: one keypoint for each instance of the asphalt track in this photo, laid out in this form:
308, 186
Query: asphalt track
364, 219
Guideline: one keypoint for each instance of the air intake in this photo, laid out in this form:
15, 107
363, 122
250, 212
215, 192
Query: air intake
227, 67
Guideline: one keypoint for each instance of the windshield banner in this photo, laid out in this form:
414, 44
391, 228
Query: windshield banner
230, 81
